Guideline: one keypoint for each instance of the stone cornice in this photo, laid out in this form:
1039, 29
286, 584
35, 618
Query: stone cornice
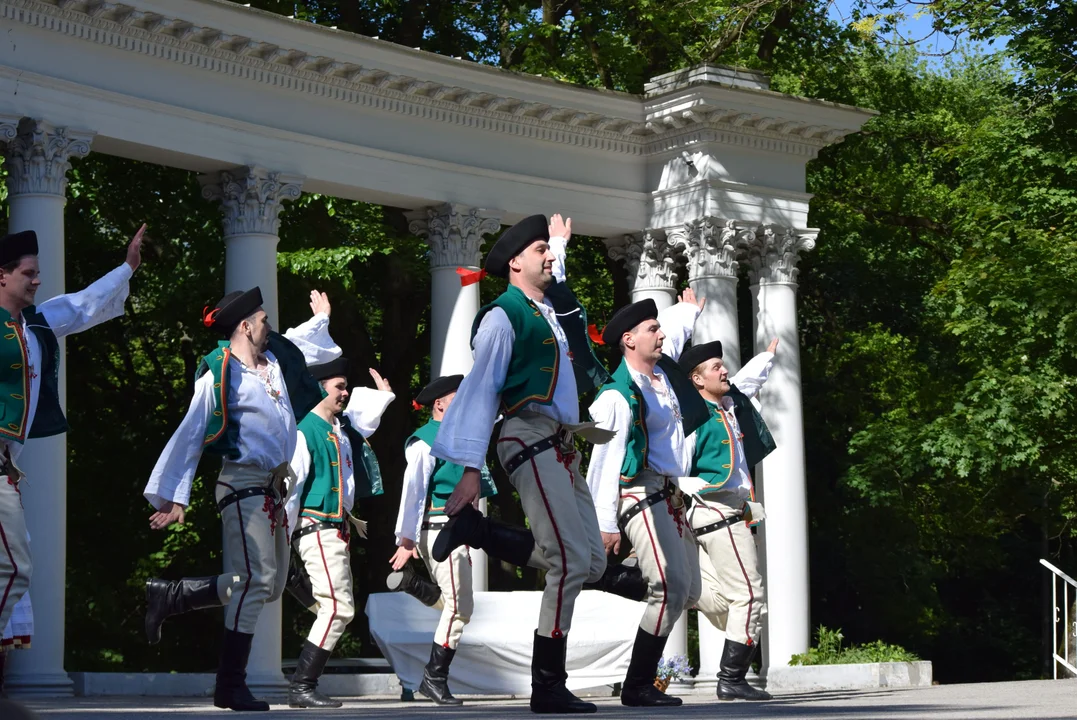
173, 39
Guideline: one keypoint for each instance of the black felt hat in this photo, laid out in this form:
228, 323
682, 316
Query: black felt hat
15, 245
627, 318
232, 309
331, 369
438, 389
514, 241
696, 354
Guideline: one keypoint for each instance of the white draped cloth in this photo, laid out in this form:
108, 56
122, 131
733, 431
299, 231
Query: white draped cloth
494, 657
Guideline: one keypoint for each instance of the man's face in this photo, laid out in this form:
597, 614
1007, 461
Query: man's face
257, 329
534, 264
442, 404
646, 339
21, 284
711, 377
337, 394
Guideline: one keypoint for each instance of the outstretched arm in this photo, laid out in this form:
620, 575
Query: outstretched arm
750, 378
101, 301
366, 406
679, 321
170, 482
412, 500
560, 234
312, 337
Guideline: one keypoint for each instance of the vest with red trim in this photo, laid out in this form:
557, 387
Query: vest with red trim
323, 496
15, 379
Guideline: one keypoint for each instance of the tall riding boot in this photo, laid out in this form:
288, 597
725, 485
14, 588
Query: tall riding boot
435, 684
624, 580
303, 690
232, 691
638, 689
500, 541
298, 586
549, 695
408, 581
736, 659
165, 598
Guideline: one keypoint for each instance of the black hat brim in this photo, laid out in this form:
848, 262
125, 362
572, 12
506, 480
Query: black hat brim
627, 318
438, 389
331, 369
233, 308
514, 241
17, 245
693, 356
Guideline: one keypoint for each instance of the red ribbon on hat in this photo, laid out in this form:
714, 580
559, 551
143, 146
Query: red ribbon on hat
469, 277
415, 405
596, 336
208, 316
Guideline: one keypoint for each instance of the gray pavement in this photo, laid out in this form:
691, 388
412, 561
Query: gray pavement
1022, 700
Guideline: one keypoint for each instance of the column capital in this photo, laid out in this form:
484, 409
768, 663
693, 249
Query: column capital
772, 252
251, 197
650, 259
709, 244
454, 232
39, 154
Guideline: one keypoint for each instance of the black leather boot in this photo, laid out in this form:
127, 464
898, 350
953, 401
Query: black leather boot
435, 684
638, 689
736, 659
549, 695
408, 581
165, 598
232, 692
303, 690
500, 541
624, 580
298, 586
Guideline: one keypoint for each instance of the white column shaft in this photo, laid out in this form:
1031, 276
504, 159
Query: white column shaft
785, 531
719, 321
251, 260
452, 311
40, 670
663, 297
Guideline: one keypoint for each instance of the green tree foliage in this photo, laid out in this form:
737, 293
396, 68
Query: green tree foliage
936, 318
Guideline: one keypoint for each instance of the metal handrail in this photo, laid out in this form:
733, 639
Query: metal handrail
1067, 583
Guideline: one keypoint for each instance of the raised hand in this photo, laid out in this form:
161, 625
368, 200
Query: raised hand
319, 303
689, 296
773, 346
380, 382
561, 228
134, 250
170, 513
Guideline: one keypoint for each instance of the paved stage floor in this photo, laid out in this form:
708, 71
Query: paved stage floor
1024, 700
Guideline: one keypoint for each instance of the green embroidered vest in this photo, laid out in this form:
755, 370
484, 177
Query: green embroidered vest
536, 358
716, 448
304, 392
694, 412
15, 380
323, 497
446, 474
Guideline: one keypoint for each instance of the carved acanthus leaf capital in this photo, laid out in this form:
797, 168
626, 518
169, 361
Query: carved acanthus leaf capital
454, 232
772, 252
709, 244
251, 198
39, 155
650, 260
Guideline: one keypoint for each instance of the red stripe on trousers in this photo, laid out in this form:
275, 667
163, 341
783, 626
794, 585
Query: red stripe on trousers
747, 581
246, 560
557, 534
14, 572
332, 594
455, 606
657, 562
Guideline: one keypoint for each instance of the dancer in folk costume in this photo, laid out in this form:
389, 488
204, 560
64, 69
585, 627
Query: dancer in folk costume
334, 466
428, 484
29, 382
532, 359
633, 478
248, 396
725, 449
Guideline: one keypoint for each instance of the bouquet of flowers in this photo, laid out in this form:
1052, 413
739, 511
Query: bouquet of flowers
670, 669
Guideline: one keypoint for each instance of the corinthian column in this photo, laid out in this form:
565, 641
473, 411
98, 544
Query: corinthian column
455, 236
38, 156
772, 255
651, 263
251, 199
709, 244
